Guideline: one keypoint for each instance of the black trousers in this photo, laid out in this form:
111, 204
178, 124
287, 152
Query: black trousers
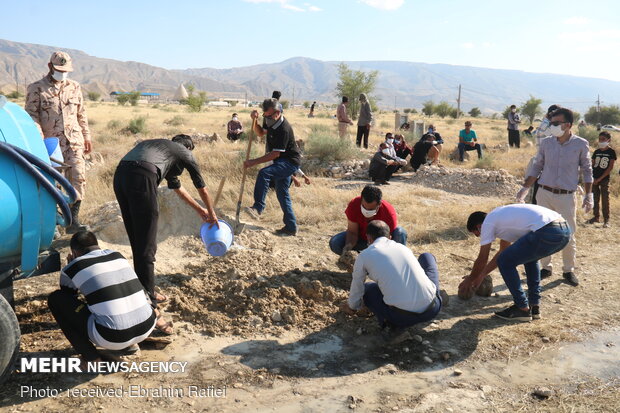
514, 138
135, 186
362, 131
381, 174
72, 315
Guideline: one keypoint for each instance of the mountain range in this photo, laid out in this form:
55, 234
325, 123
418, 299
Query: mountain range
400, 84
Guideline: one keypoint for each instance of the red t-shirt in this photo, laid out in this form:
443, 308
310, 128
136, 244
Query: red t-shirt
386, 213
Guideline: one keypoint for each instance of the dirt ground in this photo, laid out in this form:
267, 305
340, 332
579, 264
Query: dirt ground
262, 324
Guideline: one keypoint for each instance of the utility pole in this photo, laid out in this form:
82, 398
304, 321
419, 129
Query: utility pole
293, 104
394, 102
458, 104
598, 108
246, 98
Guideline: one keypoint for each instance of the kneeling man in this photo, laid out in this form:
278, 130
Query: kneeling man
527, 233
116, 314
405, 291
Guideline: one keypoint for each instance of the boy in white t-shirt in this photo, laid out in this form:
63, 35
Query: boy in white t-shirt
527, 233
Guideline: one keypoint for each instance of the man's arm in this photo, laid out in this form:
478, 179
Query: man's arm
352, 236
607, 171
83, 122
265, 158
33, 106
255, 126
208, 214
585, 163
356, 293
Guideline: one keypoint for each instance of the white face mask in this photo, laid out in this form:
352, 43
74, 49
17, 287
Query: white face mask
396, 141
235, 118
603, 144
368, 213
556, 130
390, 141
59, 76
513, 110
385, 151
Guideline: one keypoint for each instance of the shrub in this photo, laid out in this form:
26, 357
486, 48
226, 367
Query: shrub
385, 124
487, 162
285, 104
475, 112
176, 120
122, 99
14, 95
114, 124
168, 109
93, 96
137, 125
196, 102
156, 106
406, 110
92, 122
590, 134
329, 148
608, 115
317, 129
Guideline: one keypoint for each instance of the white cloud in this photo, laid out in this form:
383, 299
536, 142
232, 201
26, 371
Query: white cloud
384, 4
468, 45
286, 4
588, 36
577, 21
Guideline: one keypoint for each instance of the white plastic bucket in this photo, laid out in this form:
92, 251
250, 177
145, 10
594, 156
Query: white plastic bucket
53, 150
217, 240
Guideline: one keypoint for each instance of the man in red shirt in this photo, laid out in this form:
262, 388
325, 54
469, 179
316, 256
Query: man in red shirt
360, 212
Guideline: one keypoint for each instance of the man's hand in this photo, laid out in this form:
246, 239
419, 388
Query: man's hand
307, 180
88, 146
391, 162
249, 163
69, 258
296, 181
520, 198
344, 307
368, 126
206, 217
467, 287
472, 144
254, 114
588, 202
346, 248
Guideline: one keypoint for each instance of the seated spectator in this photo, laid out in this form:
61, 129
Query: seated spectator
360, 211
528, 132
389, 140
468, 141
433, 130
404, 291
382, 165
425, 151
116, 313
235, 128
400, 146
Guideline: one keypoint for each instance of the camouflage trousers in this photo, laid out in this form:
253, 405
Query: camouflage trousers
73, 155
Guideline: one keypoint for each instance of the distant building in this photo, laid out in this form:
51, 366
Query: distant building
147, 96
180, 94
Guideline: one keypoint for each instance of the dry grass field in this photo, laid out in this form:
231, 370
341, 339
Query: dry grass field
311, 357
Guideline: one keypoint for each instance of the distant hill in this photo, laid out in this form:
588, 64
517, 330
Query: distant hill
400, 84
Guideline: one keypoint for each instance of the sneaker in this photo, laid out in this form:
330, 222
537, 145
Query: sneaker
286, 232
252, 212
395, 335
571, 278
535, 312
593, 220
514, 313
606, 224
544, 273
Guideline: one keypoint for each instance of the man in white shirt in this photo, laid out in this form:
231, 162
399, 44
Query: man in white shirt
405, 291
527, 233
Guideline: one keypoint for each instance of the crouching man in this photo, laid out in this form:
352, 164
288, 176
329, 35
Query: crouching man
116, 315
527, 233
405, 290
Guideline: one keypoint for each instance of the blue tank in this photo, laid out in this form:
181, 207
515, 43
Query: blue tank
28, 214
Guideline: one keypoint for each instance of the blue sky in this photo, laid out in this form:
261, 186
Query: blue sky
569, 37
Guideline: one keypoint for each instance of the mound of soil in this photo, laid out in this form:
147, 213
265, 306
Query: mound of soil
481, 182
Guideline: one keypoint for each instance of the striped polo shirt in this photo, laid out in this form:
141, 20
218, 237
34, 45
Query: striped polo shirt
120, 313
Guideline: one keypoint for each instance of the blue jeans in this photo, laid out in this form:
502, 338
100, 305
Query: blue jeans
336, 243
280, 172
373, 299
464, 147
527, 250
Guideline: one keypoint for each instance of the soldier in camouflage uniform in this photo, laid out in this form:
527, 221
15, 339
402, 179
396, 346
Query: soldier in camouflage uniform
56, 105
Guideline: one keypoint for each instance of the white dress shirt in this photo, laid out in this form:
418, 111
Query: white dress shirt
398, 273
511, 222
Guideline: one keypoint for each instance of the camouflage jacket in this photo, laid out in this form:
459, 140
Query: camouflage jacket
58, 109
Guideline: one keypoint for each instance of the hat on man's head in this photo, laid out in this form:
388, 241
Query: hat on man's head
61, 61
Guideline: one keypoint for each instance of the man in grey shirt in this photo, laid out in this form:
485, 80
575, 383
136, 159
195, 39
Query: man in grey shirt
364, 121
560, 159
514, 139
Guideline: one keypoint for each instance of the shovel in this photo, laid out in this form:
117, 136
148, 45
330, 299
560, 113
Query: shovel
238, 227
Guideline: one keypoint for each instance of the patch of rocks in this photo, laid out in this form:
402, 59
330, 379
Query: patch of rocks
351, 169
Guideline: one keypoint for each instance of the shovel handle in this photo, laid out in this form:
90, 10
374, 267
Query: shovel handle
247, 157
219, 191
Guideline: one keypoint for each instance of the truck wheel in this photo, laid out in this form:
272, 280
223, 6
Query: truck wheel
9, 339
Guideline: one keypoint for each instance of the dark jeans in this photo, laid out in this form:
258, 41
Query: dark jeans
464, 147
136, 191
534, 191
526, 251
72, 316
373, 299
382, 173
601, 194
337, 242
514, 138
280, 172
235, 136
362, 131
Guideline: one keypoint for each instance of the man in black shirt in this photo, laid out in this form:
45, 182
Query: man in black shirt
136, 179
283, 151
424, 150
603, 160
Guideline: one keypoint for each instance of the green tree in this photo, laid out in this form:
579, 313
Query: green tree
428, 108
413, 110
94, 96
352, 83
475, 112
196, 102
443, 109
609, 115
506, 112
531, 108
406, 110
133, 98
122, 99
306, 104
285, 104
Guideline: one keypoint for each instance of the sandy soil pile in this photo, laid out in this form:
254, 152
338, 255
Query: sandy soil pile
481, 182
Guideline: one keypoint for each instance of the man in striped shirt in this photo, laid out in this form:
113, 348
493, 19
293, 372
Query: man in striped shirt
117, 313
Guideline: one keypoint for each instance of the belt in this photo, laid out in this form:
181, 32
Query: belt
140, 164
555, 190
343, 121
557, 223
405, 312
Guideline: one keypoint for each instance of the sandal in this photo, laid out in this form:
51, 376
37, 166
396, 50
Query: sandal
166, 328
160, 298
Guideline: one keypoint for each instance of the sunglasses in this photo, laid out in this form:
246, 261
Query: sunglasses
557, 123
